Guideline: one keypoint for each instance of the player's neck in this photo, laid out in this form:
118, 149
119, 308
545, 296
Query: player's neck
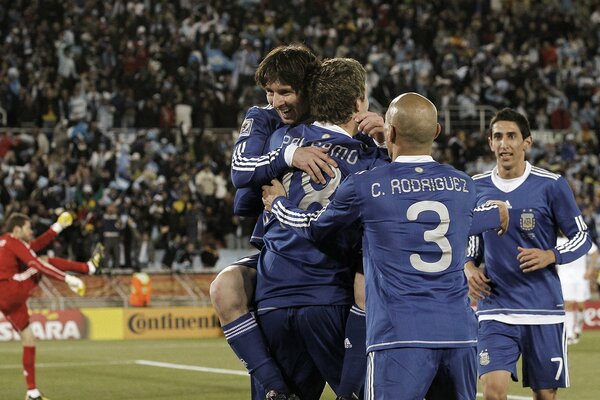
511, 173
350, 126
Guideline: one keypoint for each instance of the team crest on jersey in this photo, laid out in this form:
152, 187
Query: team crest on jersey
347, 343
484, 358
527, 221
246, 126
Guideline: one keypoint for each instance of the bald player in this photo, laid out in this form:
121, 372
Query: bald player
416, 213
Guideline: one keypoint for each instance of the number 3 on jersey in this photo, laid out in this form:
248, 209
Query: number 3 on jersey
437, 236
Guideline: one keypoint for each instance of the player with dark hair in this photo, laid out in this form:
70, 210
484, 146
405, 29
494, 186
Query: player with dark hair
304, 291
416, 215
283, 73
20, 272
520, 307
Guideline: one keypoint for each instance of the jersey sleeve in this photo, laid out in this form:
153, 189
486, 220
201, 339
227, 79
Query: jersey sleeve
570, 221
251, 163
475, 250
247, 202
43, 240
30, 259
342, 211
485, 218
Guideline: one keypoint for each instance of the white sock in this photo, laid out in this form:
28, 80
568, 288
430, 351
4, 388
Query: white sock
92, 268
579, 324
34, 393
570, 323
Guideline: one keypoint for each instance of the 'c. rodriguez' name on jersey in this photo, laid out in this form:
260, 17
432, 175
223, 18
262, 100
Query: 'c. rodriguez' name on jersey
399, 186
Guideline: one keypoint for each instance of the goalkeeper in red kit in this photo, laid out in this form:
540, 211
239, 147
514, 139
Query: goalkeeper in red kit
20, 272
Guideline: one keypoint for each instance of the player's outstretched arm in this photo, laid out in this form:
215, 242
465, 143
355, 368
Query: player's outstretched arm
64, 220
341, 212
491, 215
478, 282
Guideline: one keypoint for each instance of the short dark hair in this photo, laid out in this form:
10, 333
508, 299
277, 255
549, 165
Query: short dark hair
335, 88
292, 64
14, 220
509, 114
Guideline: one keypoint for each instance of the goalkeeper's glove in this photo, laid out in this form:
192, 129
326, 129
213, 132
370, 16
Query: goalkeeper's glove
75, 284
64, 220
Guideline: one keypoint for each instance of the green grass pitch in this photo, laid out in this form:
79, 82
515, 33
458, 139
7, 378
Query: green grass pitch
193, 369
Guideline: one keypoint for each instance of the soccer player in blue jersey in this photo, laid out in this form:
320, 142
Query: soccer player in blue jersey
416, 214
304, 291
283, 74
520, 304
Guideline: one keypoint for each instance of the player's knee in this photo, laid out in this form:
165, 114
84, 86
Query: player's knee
359, 291
545, 394
227, 294
494, 391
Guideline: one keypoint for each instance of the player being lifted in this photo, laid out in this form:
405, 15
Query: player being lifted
304, 291
416, 214
283, 73
520, 307
20, 272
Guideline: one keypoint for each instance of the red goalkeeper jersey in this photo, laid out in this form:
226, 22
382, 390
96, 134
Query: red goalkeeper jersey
18, 260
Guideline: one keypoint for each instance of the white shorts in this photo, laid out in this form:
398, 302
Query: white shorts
578, 291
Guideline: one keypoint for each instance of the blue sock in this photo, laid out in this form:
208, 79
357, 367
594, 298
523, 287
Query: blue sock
355, 358
248, 343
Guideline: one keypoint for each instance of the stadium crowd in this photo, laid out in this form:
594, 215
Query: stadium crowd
120, 102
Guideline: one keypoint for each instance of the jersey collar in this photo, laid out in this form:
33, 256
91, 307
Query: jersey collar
414, 159
331, 127
508, 185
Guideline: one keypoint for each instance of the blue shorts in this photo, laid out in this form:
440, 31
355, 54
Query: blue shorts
308, 344
413, 373
543, 347
250, 261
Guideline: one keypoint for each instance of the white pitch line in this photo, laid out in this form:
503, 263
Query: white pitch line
191, 367
69, 364
168, 365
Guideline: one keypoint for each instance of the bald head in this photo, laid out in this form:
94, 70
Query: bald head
414, 119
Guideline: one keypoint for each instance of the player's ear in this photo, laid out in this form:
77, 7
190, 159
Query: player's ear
528, 142
438, 130
391, 133
357, 104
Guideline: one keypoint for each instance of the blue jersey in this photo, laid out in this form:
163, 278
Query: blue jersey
540, 203
294, 271
248, 156
417, 216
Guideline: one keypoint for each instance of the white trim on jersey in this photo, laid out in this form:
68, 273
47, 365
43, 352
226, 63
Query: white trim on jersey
523, 319
240, 163
473, 247
23, 276
370, 384
544, 173
575, 243
379, 346
293, 218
